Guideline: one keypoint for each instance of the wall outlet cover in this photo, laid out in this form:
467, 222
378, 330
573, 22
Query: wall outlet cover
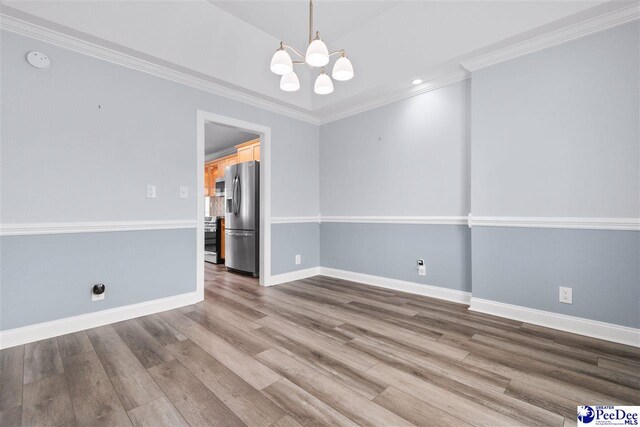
298, 259
95, 297
566, 295
184, 192
151, 191
422, 270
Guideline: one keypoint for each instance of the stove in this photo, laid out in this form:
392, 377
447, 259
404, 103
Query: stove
210, 240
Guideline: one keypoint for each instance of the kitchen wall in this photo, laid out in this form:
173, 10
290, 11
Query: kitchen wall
556, 134
400, 161
80, 142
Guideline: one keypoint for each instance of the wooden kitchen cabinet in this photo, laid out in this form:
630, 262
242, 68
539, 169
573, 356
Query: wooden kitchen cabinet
248, 151
245, 154
207, 179
210, 174
222, 165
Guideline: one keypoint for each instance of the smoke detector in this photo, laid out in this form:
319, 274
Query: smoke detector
38, 59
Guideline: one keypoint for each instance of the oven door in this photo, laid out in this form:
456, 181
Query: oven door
210, 247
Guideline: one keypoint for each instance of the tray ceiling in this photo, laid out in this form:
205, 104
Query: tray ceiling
230, 43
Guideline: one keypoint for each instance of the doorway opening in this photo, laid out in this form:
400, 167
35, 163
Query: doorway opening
234, 204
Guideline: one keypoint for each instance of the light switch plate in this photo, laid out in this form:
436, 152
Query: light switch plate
298, 259
184, 192
151, 191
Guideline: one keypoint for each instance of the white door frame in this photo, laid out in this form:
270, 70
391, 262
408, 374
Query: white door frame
265, 193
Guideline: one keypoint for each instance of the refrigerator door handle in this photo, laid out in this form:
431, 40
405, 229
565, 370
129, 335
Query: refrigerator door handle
239, 195
238, 233
235, 195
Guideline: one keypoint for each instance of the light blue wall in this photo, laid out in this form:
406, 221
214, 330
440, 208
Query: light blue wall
392, 250
288, 240
80, 142
65, 159
554, 133
525, 266
557, 134
408, 158
48, 277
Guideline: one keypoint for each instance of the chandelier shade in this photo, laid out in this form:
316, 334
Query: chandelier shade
281, 63
342, 69
316, 55
323, 85
289, 82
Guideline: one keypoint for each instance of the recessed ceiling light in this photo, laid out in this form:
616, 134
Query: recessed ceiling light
417, 81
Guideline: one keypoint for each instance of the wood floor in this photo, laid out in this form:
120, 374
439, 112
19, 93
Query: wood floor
313, 352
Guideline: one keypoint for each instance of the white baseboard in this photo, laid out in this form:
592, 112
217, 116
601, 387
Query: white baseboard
293, 275
54, 328
576, 325
399, 285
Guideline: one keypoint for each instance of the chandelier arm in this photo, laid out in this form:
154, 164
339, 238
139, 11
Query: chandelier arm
338, 52
293, 49
298, 62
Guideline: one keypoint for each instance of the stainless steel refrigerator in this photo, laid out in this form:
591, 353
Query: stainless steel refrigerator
242, 217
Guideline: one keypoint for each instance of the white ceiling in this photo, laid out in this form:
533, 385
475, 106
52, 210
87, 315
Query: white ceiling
289, 20
230, 43
219, 137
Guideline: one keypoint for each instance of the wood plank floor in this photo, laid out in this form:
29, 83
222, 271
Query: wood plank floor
314, 352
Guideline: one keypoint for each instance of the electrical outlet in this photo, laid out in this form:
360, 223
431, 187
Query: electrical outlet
98, 292
184, 192
298, 259
566, 295
422, 270
151, 191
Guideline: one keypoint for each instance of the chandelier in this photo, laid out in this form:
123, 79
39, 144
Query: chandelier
317, 55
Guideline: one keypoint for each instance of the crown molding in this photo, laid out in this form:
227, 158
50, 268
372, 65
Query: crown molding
428, 86
602, 21
592, 25
220, 154
29, 229
58, 38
